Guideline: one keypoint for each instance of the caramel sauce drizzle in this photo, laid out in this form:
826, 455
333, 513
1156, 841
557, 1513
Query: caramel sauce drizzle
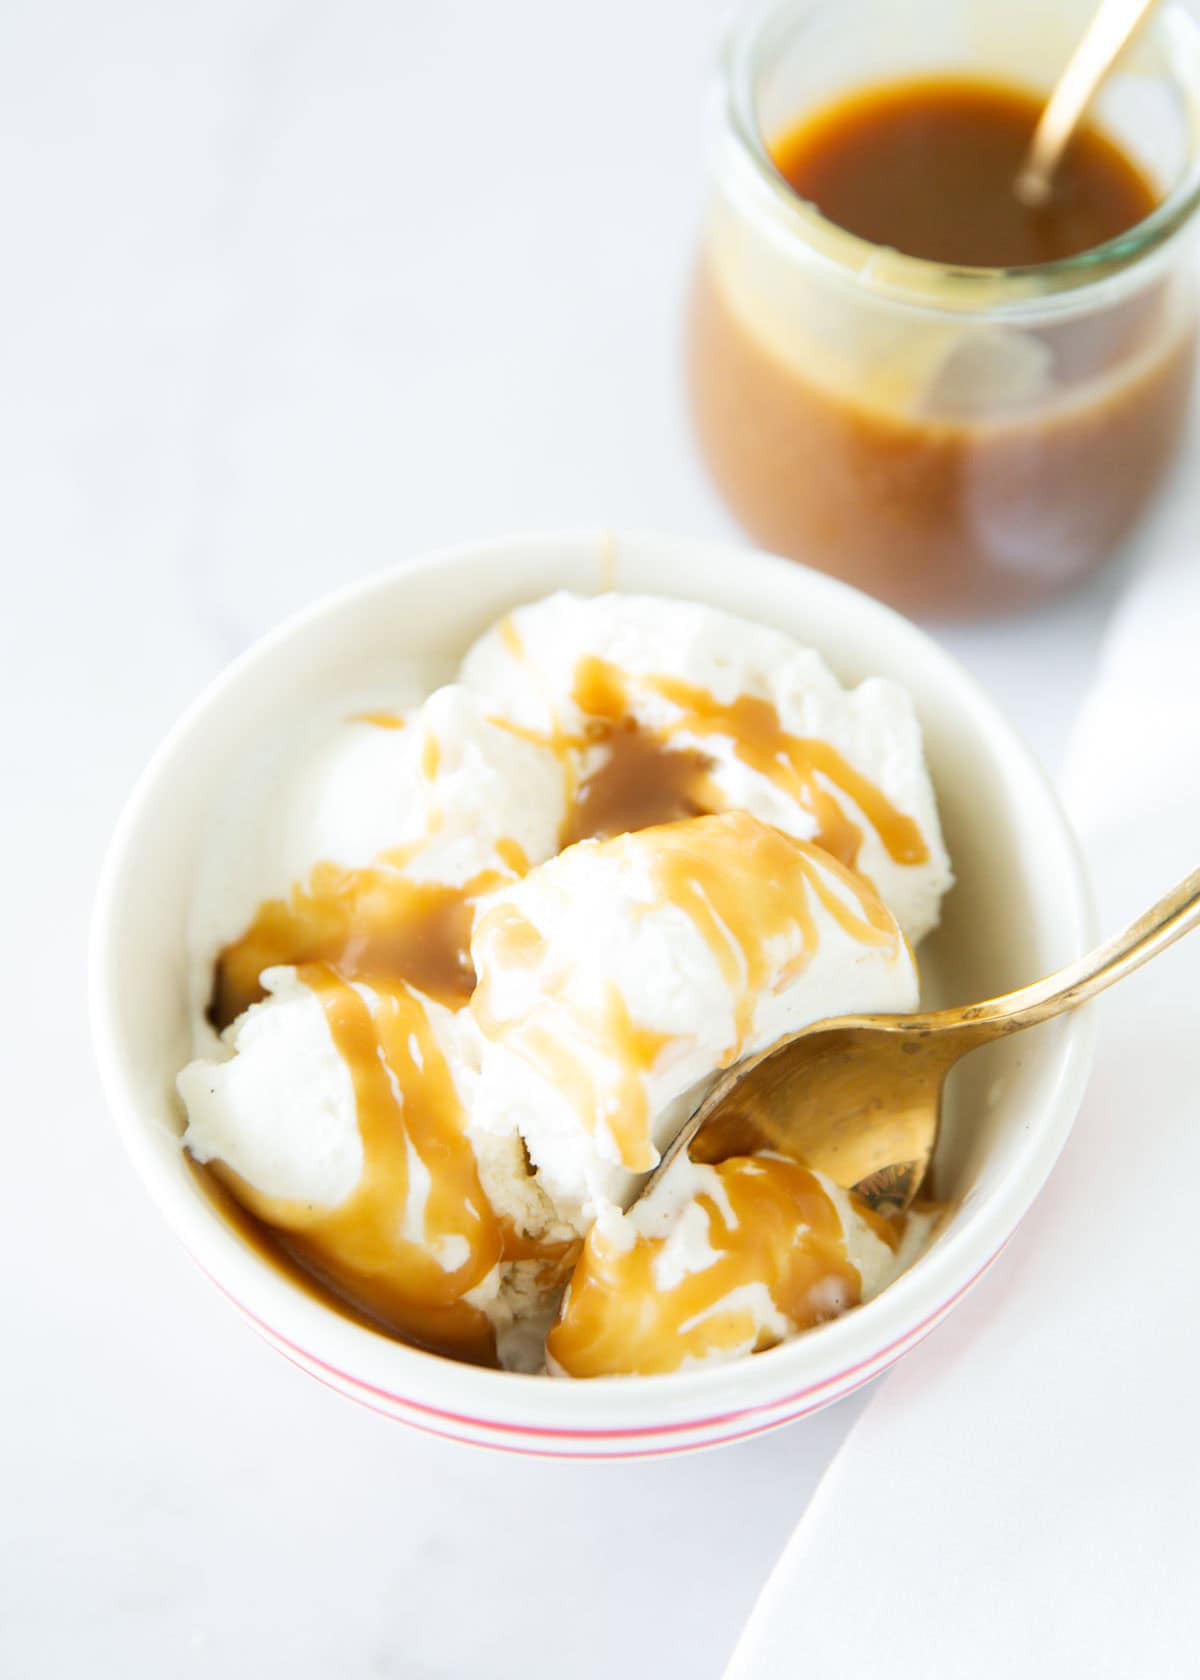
597, 1058
431, 756
511, 637
371, 924
801, 766
750, 890
785, 1234
645, 779
380, 720
410, 1121
398, 938
641, 783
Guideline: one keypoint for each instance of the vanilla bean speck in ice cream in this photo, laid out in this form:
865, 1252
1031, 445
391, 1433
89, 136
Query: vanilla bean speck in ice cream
458, 993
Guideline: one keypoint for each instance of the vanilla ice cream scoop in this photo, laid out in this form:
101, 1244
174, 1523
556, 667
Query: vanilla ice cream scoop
375, 857
729, 716
617, 979
339, 1114
717, 1262
382, 820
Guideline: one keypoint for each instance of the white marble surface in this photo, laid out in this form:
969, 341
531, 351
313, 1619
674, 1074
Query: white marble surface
290, 291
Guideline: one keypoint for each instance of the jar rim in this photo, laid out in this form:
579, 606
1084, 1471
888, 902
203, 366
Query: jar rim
921, 279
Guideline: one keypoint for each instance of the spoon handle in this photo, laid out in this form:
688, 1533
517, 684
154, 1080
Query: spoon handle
1175, 914
1109, 32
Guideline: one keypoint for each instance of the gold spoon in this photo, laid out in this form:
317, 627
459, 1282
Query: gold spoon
1105, 38
859, 1097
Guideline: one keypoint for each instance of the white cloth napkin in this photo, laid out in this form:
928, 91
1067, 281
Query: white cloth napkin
1022, 1496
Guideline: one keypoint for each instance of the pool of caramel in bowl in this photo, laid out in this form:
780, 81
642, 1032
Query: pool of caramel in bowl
406, 940
932, 511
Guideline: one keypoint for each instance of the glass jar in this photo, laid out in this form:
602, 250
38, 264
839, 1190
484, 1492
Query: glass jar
948, 439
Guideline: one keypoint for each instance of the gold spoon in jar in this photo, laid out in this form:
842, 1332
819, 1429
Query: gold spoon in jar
859, 1097
1112, 28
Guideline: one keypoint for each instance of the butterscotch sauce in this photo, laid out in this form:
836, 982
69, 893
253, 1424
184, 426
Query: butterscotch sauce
804, 768
640, 780
376, 927
570, 1046
772, 1225
927, 167
647, 777
403, 1250
511, 636
932, 516
946, 459
380, 720
596, 1058
369, 923
431, 756
218, 1185
640, 783
750, 891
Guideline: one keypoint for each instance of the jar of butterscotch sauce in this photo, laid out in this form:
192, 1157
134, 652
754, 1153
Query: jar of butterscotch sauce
899, 373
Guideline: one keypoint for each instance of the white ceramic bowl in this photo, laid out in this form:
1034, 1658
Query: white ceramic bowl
1020, 908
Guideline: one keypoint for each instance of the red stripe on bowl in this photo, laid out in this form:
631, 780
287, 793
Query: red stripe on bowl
621, 1454
307, 1361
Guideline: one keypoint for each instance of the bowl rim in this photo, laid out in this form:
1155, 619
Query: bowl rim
604, 1408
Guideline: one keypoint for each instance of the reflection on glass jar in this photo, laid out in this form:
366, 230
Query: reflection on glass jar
950, 438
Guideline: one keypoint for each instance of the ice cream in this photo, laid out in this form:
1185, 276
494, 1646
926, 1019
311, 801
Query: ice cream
388, 824
616, 979
341, 1119
471, 966
720, 1261
731, 716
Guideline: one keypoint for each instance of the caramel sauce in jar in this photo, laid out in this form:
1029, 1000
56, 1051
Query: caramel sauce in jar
894, 378
927, 168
